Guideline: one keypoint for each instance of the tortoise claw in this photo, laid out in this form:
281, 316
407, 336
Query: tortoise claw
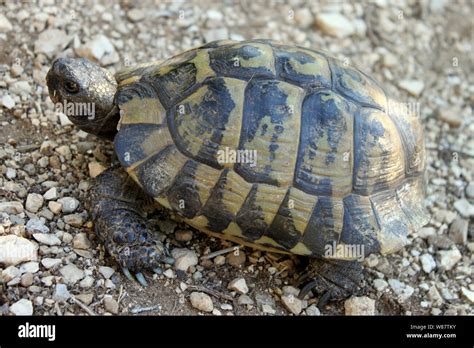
127, 274
307, 288
324, 299
141, 279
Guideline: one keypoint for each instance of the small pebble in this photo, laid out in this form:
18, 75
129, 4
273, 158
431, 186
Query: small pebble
219, 260
236, 258
359, 306
201, 301
239, 285
34, 202
111, 305
22, 307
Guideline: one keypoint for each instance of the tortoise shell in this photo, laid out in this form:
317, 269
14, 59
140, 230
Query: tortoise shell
334, 165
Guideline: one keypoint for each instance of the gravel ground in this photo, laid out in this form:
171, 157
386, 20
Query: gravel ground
50, 261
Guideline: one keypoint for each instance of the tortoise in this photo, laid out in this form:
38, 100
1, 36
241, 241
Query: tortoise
272, 146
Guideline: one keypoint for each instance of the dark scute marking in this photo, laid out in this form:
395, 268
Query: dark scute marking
319, 118
282, 228
214, 210
320, 230
223, 60
285, 70
263, 98
357, 230
154, 180
250, 217
128, 142
218, 101
171, 86
213, 113
183, 194
366, 136
339, 72
138, 89
412, 150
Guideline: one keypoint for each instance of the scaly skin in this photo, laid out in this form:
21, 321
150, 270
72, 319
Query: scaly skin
332, 279
117, 209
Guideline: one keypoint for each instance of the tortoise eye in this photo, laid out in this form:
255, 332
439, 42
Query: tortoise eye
71, 87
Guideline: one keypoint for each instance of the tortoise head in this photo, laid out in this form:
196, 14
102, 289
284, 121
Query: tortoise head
84, 92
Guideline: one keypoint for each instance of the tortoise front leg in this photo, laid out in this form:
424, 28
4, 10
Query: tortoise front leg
119, 220
332, 279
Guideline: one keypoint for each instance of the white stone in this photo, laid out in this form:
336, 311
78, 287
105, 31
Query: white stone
71, 273
10, 173
16, 70
464, 208
61, 293
136, 15
425, 232
244, 300
87, 282
334, 24
22, 307
12, 207
201, 301
111, 305
169, 273
10, 273
458, 231
359, 306
51, 42
29, 267
48, 262
8, 102
64, 120
470, 190
27, 280
413, 87
449, 258
55, 207
47, 238
69, 204
75, 220
427, 263
34, 202
51, 194
239, 285
313, 310
101, 49
219, 260
380, 284
21, 87
48, 280
14, 250
292, 303
184, 258
303, 17
5, 25
266, 308
468, 294
226, 307
106, 272
451, 115
36, 226
81, 241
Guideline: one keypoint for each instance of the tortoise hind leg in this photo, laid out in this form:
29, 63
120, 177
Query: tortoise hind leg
118, 212
333, 279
